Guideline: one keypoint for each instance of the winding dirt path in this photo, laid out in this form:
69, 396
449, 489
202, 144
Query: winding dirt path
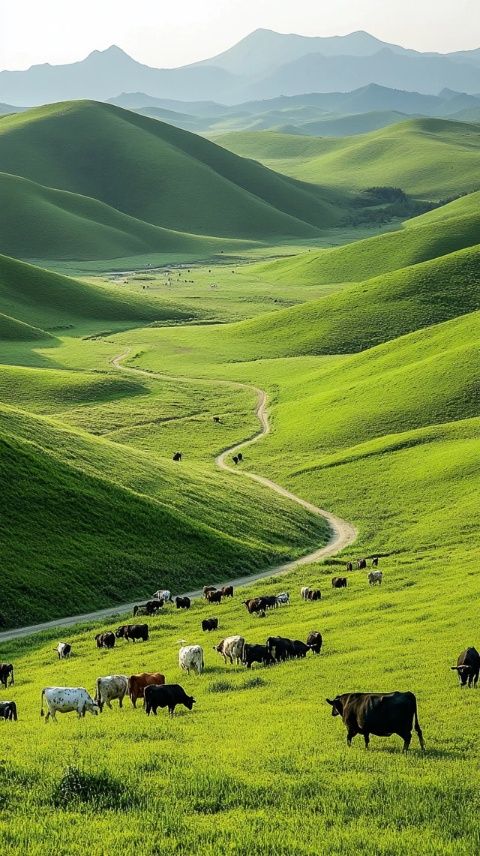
342, 532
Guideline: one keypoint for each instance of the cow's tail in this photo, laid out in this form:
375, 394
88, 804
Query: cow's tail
14, 710
417, 725
41, 702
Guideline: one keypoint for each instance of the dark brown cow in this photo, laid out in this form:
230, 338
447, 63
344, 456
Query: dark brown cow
379, 714
314, 641
227, 591
468, 667
6, 672
207, 589
105, 640
137, 684
132, 632
339, 582
314, 594
255, 605
214, 596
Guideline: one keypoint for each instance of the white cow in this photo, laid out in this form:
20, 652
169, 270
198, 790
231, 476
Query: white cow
65, 699
283, 598
231, 649
375, 577
109, 688
191, 657
163, 594
63, 649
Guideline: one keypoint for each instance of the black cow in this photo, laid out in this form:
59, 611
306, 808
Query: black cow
339, 582
214, 596
375, 562
8, 710
177, 456
280, 648
209, 624
299, 648
240, 457
468, 667
235, 459
361, 564
379, 714
6, 672
315, 641
183, 602
349, 566
216, 419
227, 591
132, 632
269, 601
105, 640
168, 695
314, 594
256, 654
148, 608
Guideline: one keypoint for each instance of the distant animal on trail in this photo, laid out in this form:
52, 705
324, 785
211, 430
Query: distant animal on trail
209, 624
177, 456
132, 632
283, 599
66, 699
227, 591
206, 589
6, 672
235, 459
216, 419
148, 608
239, 457
8, 711
314, 594
349, 566
63, 649
375, 562
163, 594
339, 582
378, 714
214, 596
255, 605
138, 683
375, 578
139, 609
190, 657
109, 688
183, 602
468, 667
105, 640
361, 564
168, 696
231, 649
256, 654
314, 641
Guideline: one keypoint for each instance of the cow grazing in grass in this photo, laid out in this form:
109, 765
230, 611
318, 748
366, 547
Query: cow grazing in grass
339, 582
66, 699
183, 602
8, 711
256, 654
109, 688
240, 457
283, 599
375, 578
63, 649
169, 696
379, 714
6, 672
349, 566
314, 594
300, 649
177, 456
227, 591
216, 419
315, 641
190, 657
132, 632
375, 562
468, 667
163, 594
105, 640
235, 459
280, 648
209, 624
361, 564
231, 649
206, 589
149, 608
138, 683
214, 596
255, 605
304, 592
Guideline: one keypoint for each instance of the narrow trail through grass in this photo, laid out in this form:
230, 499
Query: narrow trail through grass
342, 532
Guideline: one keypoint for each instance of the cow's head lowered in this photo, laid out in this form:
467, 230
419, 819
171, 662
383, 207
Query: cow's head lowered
337, 705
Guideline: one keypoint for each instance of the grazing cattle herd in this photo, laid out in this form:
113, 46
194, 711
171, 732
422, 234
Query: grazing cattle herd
362, 713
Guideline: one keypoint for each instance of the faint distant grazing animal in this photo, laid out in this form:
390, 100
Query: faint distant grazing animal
190, 657
8, 711
380, 714
63, 649
375, 578
148, 608
231, 649
209, 624
177, 456
283, 598
468, 667
182, 602
166, 696
138, 683
255, 605
314, 594
216, 419
349, 566
6, 672
105, 640
361, 564
314, 641
163, 594
227, 591
339, 582
140, 609
66, 699
256, 654
109, 688
132, 632
375, 562
304, 591
235, 459
207, 589
214, 596
240, 457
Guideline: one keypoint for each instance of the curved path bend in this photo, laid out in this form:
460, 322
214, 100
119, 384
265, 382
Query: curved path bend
342, 532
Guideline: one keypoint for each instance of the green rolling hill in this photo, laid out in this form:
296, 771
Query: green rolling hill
427, 158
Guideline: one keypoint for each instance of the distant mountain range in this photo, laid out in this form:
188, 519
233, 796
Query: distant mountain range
264, 65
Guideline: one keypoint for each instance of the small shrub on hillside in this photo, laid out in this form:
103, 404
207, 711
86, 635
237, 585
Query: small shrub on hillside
101, 789
221, 687
252, 683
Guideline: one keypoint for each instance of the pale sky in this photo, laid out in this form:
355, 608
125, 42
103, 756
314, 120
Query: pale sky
168, 33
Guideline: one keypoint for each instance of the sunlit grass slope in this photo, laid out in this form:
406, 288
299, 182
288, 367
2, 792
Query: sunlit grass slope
428, 158
158, 173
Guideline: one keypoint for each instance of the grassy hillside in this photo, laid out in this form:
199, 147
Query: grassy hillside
446, 229
12, 329
427, 158
157, 173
